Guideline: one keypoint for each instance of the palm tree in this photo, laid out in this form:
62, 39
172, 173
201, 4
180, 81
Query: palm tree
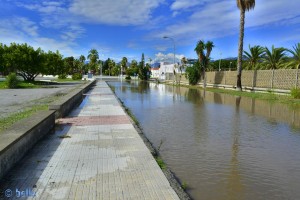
255, 54
296, 55
243, 5
275, 58
93, 56
204, 58
124, 64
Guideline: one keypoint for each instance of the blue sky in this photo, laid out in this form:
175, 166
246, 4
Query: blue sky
118, 28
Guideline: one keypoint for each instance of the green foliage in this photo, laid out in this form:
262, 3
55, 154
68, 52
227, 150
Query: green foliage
77, 76
62, 76
275, 57
295, 93
127, 78
254, 56
193, 74
93, 57
161, 163
295, 62
143, 70
184, 185
12, 81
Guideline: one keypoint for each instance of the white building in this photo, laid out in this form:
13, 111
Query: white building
166, 68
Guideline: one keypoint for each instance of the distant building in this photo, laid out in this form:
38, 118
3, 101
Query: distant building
164, 68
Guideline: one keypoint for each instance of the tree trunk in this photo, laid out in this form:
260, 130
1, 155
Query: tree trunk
240, 53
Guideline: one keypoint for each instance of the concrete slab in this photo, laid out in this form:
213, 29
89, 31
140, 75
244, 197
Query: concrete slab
95, 157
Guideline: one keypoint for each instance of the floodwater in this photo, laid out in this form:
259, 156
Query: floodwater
221, 146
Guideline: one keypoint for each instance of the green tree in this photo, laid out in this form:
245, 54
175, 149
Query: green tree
24, 60
254, 55
193, 73
111, 65
143, 70
203, 58
274, 58
124, 64
2, 68
93, 57
296, 56
54, 64
243, 5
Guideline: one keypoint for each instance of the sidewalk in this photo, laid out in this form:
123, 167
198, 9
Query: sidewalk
95, 153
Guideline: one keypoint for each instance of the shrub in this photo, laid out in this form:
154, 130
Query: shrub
12, 80
62, 76
295, 92
77, 76
127, 78
193, 75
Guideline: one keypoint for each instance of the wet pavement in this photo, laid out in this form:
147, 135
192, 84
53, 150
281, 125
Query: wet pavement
95, 153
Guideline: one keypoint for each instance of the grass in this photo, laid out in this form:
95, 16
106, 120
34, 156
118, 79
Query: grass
10, 120
21, 85
160, 162
269, 96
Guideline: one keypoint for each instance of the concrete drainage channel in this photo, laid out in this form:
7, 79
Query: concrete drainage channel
23, 135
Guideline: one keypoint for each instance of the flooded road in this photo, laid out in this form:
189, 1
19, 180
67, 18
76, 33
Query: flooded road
222, 146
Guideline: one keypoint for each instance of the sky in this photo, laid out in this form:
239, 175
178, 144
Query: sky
118, 28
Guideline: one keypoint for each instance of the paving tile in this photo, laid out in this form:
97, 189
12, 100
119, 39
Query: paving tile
103, 157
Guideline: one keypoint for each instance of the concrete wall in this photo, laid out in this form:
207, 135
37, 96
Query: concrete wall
271, 79
65, 104
18, 139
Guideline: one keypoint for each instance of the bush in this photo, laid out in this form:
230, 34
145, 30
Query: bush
12, 80
295, 92
193, 75
127, 78
62, 76
77, 76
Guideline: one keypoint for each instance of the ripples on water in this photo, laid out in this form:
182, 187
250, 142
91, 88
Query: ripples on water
223, 147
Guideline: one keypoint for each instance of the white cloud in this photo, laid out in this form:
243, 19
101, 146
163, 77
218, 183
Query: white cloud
125, 12
184, 4
217, 19
19, 25
160, 57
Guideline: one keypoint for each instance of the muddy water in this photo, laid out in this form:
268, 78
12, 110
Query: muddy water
222, 146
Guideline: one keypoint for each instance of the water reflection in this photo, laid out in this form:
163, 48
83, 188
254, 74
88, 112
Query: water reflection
222, 146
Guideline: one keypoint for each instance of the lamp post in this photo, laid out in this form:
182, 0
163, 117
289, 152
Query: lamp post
167, 37
220, 61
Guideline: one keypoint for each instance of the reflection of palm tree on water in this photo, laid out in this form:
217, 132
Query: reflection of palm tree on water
235, 187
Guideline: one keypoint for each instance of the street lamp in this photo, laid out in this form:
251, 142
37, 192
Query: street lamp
220, 61
167, 37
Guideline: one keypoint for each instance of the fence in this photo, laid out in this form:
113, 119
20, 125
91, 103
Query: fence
271, 79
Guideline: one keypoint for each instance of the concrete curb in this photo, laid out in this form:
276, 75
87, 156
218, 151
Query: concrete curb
65, 104
22, 136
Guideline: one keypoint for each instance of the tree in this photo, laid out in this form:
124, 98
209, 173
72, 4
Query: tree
254, 55
2, 68
143, 70
124, 64
24, 60
111, 65
275, 58
54, 64
93, 57
243, 5
296, 55
202, 57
